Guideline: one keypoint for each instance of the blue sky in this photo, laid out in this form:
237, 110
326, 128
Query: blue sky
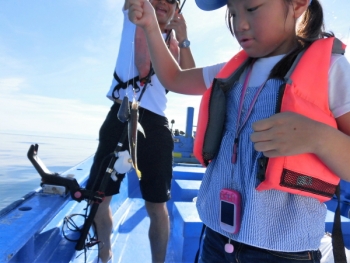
57, 60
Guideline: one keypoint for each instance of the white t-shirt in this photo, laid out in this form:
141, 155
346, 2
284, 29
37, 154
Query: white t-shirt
154, 98
338, 81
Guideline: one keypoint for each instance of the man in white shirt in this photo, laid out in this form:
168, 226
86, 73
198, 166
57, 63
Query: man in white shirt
155, 150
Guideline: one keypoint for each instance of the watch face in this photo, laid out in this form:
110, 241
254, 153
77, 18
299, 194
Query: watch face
185, 43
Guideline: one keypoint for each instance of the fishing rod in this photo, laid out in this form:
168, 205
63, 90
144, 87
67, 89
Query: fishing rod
180, 9
72, 186
99, 194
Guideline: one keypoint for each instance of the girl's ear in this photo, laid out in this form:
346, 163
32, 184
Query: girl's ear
300, 7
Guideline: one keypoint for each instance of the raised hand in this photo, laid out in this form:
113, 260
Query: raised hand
142, 14
178, 24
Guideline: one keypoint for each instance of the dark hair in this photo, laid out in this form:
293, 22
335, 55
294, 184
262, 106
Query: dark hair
310, 28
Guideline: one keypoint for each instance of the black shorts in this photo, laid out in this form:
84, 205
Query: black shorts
154, 155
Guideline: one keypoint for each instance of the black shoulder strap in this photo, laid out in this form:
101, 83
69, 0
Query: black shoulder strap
144, 81
338, 47
133, 81
200, 241
337, 234
124, 85
147, 80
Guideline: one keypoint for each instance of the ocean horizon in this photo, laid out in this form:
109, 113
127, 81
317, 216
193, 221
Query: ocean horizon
59, 152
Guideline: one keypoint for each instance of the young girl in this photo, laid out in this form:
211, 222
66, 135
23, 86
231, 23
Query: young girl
276, 225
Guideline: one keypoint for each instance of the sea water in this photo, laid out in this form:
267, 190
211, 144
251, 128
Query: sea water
58, 153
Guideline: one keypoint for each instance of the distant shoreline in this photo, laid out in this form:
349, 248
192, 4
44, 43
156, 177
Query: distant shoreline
53, 135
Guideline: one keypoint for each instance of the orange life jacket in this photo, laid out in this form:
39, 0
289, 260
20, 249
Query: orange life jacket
306, 93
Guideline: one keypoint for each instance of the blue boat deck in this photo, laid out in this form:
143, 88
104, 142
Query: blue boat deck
131, 223
130, 237
31, 229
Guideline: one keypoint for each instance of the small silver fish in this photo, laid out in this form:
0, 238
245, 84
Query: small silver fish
133, 127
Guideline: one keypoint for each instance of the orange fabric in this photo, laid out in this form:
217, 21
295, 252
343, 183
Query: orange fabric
306, 93
308, 96
142, 56
203, 115
174, 46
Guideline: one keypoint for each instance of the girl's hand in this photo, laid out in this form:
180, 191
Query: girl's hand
286, 134
142, 14
178, 24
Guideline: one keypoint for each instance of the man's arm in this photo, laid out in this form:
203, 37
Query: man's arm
186, 58
178, 24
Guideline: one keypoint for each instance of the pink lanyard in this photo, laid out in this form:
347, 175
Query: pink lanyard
241, 100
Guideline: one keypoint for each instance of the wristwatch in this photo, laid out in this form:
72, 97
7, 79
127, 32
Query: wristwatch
184, 44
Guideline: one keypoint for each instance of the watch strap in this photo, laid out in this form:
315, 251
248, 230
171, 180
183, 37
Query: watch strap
184, 44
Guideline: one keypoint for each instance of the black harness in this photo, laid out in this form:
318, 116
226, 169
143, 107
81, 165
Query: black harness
133, 82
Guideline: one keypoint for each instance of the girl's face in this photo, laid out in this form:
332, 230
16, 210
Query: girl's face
263, 28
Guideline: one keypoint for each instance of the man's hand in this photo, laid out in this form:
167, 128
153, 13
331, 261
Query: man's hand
286, 134
178, 24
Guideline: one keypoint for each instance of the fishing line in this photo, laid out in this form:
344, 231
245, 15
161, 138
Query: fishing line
131, 70
69, 225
